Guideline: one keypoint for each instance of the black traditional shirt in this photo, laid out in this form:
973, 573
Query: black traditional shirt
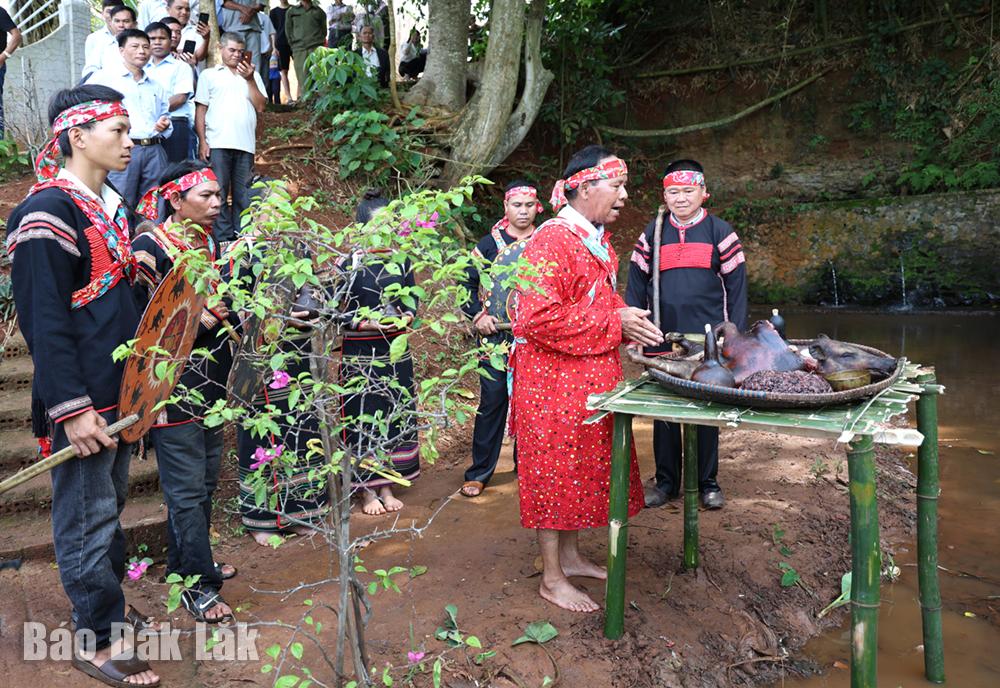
55, 251
207, 375
702, 275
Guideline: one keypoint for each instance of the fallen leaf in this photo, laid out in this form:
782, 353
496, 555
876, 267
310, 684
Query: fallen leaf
985, 452
840, 665
970, 615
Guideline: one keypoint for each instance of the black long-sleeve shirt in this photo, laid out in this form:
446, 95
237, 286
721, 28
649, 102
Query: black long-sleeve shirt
54, 248
702, 275
207, 375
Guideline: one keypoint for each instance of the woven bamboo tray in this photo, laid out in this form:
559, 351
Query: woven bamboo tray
759, 399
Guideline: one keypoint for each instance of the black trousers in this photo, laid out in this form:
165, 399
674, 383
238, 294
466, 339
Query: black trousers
667, 452
178, 146
491, 420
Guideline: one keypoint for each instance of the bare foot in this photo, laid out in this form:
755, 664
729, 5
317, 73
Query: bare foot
390, 501
563, 594
370, 504
263, 537
583, 567
143, 678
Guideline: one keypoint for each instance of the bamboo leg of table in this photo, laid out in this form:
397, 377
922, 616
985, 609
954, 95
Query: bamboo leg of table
690, 496
928, 489
866, 563
621, 454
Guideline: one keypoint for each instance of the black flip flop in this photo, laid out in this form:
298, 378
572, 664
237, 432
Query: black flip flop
201, 602
114, 671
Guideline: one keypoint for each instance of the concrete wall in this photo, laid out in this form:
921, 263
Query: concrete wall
40, 69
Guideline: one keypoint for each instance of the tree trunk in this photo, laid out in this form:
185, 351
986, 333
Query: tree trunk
443, 82
212, 56
536, 82
486, 116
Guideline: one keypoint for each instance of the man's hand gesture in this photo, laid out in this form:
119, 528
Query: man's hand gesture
637, 327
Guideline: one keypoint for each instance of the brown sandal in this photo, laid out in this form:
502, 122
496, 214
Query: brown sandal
115, 670
472, 488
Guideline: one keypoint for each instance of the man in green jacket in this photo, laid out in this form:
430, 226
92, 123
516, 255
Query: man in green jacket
305, 28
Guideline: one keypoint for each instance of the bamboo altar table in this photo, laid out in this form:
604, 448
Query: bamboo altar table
860, 426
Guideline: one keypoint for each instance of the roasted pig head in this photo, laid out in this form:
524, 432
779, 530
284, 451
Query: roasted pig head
760, 348
833, 356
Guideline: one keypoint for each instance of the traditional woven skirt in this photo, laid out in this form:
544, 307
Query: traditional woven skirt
393, 445
297, 495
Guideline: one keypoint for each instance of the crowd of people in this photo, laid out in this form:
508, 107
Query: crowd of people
98, 233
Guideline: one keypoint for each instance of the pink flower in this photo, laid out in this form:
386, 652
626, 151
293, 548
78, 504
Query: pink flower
280, 380
415, 657
136, 569
264, 456
405, 228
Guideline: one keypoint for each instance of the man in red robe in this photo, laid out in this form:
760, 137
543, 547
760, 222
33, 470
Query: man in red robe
567, 333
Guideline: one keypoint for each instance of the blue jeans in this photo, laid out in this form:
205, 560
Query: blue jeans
233, 169
188, 457
88, 495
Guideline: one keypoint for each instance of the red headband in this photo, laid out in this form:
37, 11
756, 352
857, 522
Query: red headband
527, 190
610, 169
684, 178
46, 166
149, 204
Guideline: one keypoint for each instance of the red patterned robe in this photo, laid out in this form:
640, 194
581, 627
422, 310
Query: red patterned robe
567, 340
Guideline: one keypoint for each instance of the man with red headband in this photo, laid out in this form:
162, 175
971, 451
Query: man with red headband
520, 206
72, 266
188, 453
566, 337
702, 281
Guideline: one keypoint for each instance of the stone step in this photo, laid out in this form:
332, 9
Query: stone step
36, 494
15, 410
17, 450
16, 373
16, 346
29, 535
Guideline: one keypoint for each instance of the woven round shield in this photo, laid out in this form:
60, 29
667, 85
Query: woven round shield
247, 373
170, 323
501, 300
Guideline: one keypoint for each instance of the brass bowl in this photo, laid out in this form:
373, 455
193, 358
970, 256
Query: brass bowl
848, 379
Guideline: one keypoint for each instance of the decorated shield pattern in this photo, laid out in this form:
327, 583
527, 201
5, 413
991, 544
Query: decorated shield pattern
247, 373
501, 300
170, 322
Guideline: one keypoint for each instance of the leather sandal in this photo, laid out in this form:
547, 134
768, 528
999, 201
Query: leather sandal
472, 488
115, 670
140, 621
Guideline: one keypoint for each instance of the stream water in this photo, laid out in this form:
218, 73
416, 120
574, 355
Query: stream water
961, 347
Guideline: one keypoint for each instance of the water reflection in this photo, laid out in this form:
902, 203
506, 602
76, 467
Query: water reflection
961, 347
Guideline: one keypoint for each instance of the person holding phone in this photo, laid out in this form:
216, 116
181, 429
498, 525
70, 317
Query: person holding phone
191, 32
243, 19
227, 101
177, 81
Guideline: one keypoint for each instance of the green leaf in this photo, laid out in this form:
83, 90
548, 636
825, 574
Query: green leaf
273, 651
473, 641
287, 681
296, 650
398, 347
537, 632
452, 612
417, 570
436, 673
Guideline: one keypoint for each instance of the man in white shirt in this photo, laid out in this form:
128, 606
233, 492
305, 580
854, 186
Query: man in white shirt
101, 49
191, 30
177, 81
227, 101
338, 22
376, 59
154, 10
149, 117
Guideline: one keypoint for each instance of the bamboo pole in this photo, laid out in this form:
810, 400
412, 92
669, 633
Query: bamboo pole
928, 489
60, 457
621, 445
690, 496
866, 563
